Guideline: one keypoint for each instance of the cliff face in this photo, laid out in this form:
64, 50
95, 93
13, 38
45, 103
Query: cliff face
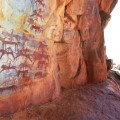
81, 51
49, 44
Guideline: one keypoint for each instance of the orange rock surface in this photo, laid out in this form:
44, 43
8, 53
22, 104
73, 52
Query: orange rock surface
75, 30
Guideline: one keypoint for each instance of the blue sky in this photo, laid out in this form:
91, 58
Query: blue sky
112, 35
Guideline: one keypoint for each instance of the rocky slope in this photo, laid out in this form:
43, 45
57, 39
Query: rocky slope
90, 102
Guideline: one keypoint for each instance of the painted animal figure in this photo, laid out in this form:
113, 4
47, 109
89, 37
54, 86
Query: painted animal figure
36, 56
38, 74
36, 28
7, 51
40, 10
24, 39
10, 43
25, 65
10, 35
12, 87
36, 13
23, 52
31, 21
17, 37
5, 43
5, 67
23, 72
40, 2
6, 34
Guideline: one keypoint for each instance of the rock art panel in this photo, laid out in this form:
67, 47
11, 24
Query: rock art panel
22, 52
27, 55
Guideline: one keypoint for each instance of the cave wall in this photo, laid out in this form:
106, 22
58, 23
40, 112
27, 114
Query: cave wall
46, 46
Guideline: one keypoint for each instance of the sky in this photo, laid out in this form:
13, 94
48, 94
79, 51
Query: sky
112, 35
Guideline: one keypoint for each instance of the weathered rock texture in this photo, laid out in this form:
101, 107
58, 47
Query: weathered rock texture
90, 102
74, 34
81, 51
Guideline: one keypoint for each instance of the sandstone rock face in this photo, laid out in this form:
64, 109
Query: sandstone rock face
83, 61
46, 46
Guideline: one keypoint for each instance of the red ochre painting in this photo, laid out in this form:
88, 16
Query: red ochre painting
23, 52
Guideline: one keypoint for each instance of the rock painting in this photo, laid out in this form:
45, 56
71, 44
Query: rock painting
23, 54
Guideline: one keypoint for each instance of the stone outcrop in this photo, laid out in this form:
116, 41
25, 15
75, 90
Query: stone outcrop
81, 51
53, 44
